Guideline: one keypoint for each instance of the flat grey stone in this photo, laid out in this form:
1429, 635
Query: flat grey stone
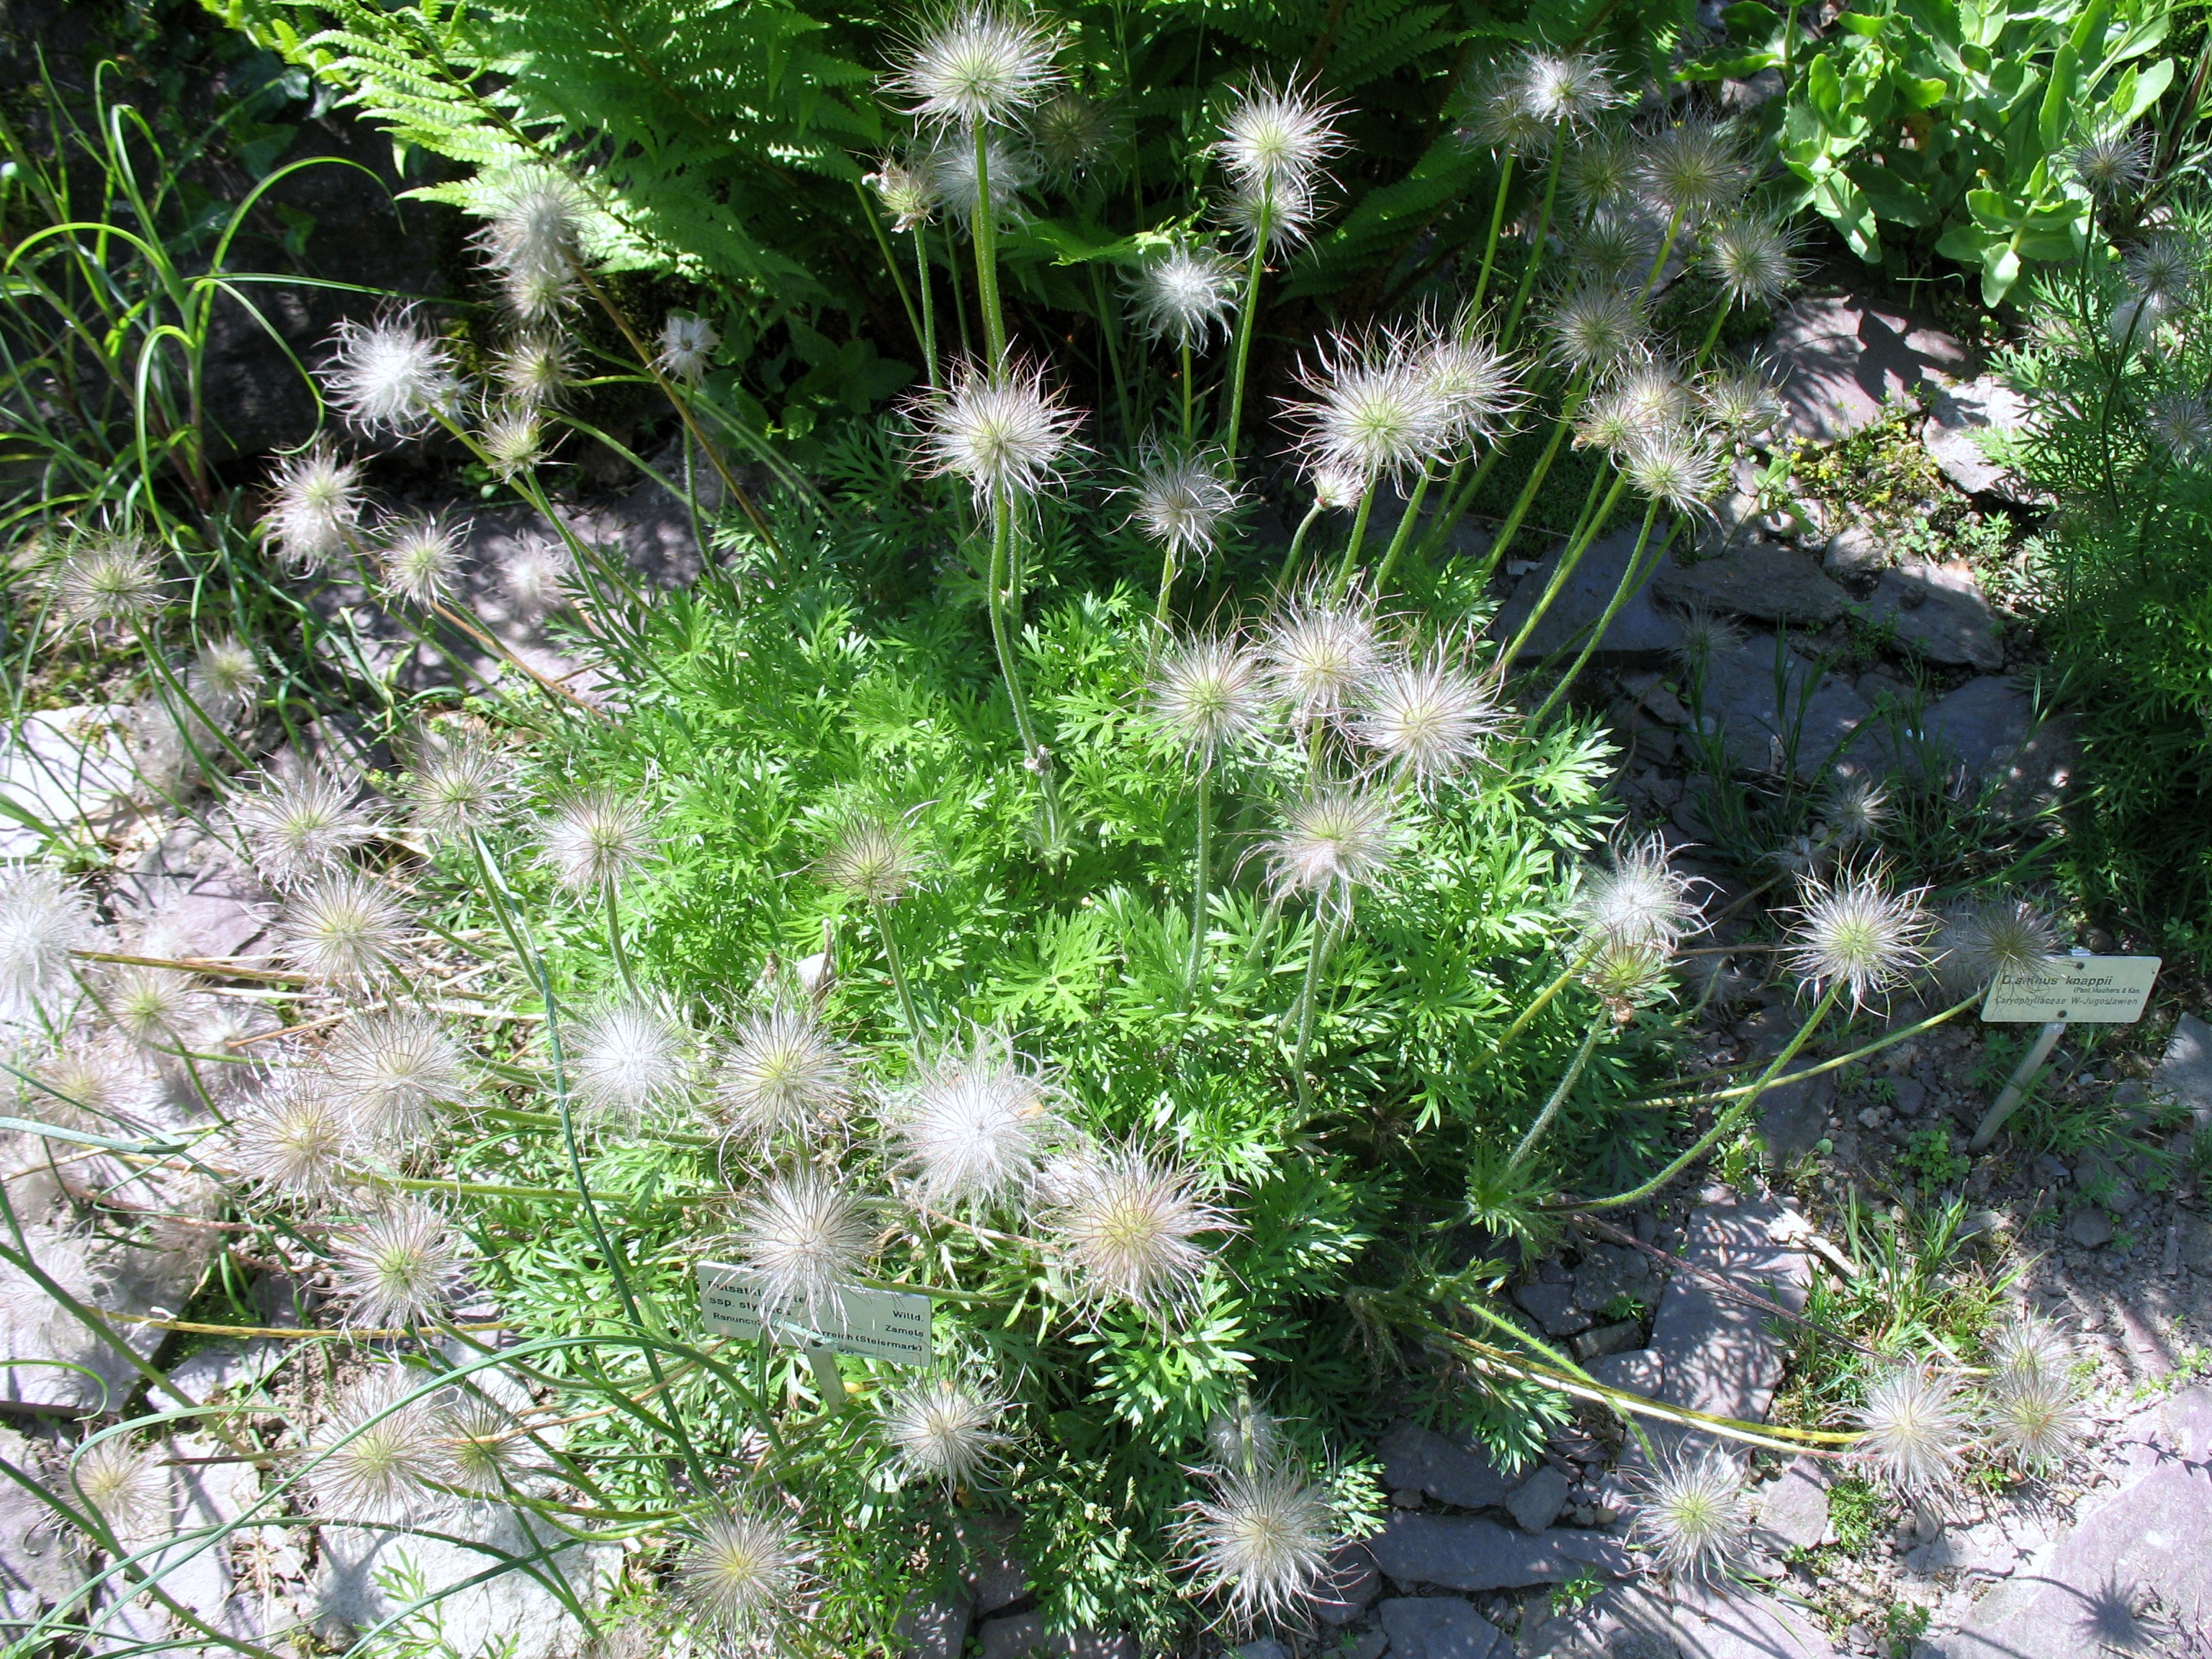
1968, 427
2090, 1227
36, 1328
189, 895
1855, 550
2134, 1575
1983, 1549
1714, 1353
1438, 1627
1730, 1621
68, 768
1638, 1371
1793, 1117
1640, 632
1363, 1644
2184, 1074
1939, 613
1772, 583
1266, 1648
1025, 1633
40, 1565
1617, 1338
995, 1573
1841, 360
1552, 1306
1608, 1272
1350, 1585
1775, 710
1537, 1501
1424, 1461
1793, 1511
2189, 1422
1469, 1553
936, 1629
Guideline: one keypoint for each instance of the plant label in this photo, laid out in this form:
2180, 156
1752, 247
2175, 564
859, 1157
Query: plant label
892, 1325
2079, 990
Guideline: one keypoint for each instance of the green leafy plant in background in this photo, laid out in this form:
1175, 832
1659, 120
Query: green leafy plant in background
1978, 130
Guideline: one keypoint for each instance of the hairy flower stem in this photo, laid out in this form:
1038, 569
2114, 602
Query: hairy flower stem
1568, 560
1404, 530
1198, 883
1511, 526
1543, 1001
1001, 594
1725, 1123
1247, 319
987, 255
1324, 935
891, 259
1597, 1029
1631, 576
1497, 224
897, 966
1343, 582
929, 308
1536, 249
1711, 339
1298, 546
1167, 591
1187, 395
615, 940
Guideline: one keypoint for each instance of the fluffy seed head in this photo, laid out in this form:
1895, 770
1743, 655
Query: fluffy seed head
418, 561
2111, 166
1915, 1428
1600, 170
486, 1451
1002, 431
95, 1086
783, 1074
598, 839
343, 929
2180, 424
531, 241
224, 677
42, 918
535, 369
401, 1268
2167, 264
1707, 637
1319, 657
1337, 489
389, 376
393, 1070
801, 1238
740, 1572
537, 569
1277, 138
1568, 88
687, 344
115, 579
513, 434
1596, 328
1270, 218
1743, 404
874, 859
1692, 171
1208, 695
1502, 118
909, 194
1122, 1225
1243, 1435
2137, 321
1694, 1516
1429, 716
1978, 942
1474, 382
127, 1485
2031, 1345
462, 789
626, 1058
956, 188
1373, 413
1185, 294
2036, 1419
1260, 1538
1072, 135
1857, 932
1616, 246
314, 504
1333, 841
378, 1457
1753, 257
971, 1129
1676, 466
292, 1139
978, 64
1642, 899
152, 1007
943, 1430
1625, 977
301, 827
1180, 500
1856, 811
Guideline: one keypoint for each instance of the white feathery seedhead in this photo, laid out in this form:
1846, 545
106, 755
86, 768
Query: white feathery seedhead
783, 1074
2167, 264
2111, 166
1915, 1428
314, 505
393, 1070
1857, 811
152, 1007
1071, 136
379, 1458
1337, 489
1694, 1516
908, 193
874, 859
301, 827
1320, 656
531, 240
1208, 694
1568, 88
1655, 393
224, 677
1692, 171
1373, 413
37, 1315
389, 376
598, 839
418, 559
1430, 717
461, 790
95, 1086
537, 569
1707, 637
1184, 294
1180, 500
1600, 170
2035, 1418
952, 181
1626, 977
42, 918
2180, 424
1276, 139
535, 369
1122, 1226
513, 438
626, 1058
401, 1268
1640, 900
486, 1451
1743, 402
801, 1239
1270, 219
1002, 431
972, 1127
2137, 323
688, 345
1243, 1436
292, 1139
1977, 942
343, 929
1472, 381
943, 1430
1596, 328
1677, 466
1261, 1539
1858, 932
111, 580
128, 1485
1502, 119
1616, 246
2031, 1345
978, 63
740, 1572
1333, 841
1753, 258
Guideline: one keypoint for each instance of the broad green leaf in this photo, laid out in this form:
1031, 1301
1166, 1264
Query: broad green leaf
1841, 204
1923, 92
2000, 271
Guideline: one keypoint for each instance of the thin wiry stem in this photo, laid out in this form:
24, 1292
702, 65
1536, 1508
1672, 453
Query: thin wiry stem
986, 253
1405, 529
929, 308
1324, 935
999, 599
1344, 569
1631, 573
1247, 318
1597, 1027
1497, 223
1198, 884
1568, 560
1537, 249
893, 960
614, 937
1297, 545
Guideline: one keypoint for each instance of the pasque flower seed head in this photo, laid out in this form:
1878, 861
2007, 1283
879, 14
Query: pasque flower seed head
378, 1458
1124, 1224
111, 580
1472, 381
1856, 932
943, 1430
625, 1058
1693, 1514
1676, 466
976, 65
302, 826
874, 859
781, 1074
1208, 694
314, 505
740, 1572
1260, 1539
1691, 170
1431, 717
1753, 257
128, 1485
2036, 1419
43, 918
1977, 942
1276, 139
535, 369
531, 240
393, 1070
400, 1269
801, 1238
1185, 294
418, 560
688, 345
292, 1139
1180, 500
598, 839
1567, 88
390, 375
973, 1126
1320, 656
1597, 327
956, 188
1373, 412
342, 928
1000, 430
1915, 1427
1641, 899
460, 790
1334, 840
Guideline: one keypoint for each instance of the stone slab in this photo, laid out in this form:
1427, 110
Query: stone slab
1793, 1117
1968, 427
1714, 1353
1840, 359
1446, 1470
1439, 1628
1351, 1585
1469, 1553
1764, 581
935, 1629
1938, 611
190, 895
68, 768
1685, 1621
2184, 1074
1773, 709
1793, 1510
40, 1565
1641, 632
1023, 1633
1537, 1501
